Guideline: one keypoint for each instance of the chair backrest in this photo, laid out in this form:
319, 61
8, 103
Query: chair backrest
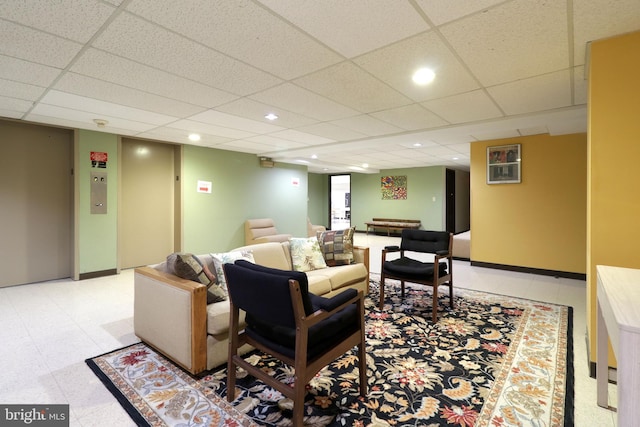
424, 241
263, 294
256, 228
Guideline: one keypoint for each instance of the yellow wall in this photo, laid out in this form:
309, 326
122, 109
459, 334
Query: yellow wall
614, 151
541, 222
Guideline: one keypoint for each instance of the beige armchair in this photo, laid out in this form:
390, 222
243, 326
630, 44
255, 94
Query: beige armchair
262, 231
312, 230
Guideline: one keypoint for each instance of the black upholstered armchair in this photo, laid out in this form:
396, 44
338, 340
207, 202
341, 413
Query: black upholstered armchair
284, 320
432, 273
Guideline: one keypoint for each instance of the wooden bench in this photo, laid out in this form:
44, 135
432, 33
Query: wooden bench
392, 224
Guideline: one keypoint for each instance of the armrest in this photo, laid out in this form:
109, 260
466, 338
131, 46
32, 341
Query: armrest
329, 304
170, 314
392, 248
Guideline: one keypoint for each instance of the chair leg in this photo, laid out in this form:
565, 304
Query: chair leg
231, 380
381, 305
451, 295
434, 310
402, 288
298, 403
362, 363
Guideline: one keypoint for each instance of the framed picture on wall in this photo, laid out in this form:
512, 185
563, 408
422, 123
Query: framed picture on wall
504, 164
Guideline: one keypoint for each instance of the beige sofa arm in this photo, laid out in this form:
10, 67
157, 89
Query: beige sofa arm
361, 254
170, 314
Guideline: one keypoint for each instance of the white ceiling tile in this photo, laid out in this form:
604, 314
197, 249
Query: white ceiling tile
203, 128
294, 98
367, 125
84, 119
302, 137
351, 28
10, 114
331, 131
276, 144
443, 11
598, 19
229, 120
349, 85
36, 46
243, 30
180, 136
465, 107
245, 146
580, 86
20, 90
102, 108
110, 92
139, 40
27, 72
115, 69
410, 117
536, 130
464, 148
255, 110
17, 106
544, 92
516, 40
496, 134
77, 20
395, 65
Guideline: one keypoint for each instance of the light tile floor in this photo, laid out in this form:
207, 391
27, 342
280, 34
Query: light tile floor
48, 329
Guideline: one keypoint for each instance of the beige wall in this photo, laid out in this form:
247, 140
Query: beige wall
614, 150
541, 222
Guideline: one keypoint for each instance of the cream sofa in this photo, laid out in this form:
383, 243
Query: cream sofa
261, 231
171, 314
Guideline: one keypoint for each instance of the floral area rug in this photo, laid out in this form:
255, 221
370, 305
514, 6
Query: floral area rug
492, 361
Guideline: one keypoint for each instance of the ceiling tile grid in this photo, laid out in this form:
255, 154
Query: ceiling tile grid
338, 74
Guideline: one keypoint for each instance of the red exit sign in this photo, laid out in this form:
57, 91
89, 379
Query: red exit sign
98, 156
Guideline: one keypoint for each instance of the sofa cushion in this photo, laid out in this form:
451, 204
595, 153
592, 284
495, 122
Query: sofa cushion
337, 246
270, 254
228, 257
218, 318
319, 284
306, 254
339, 276
190, 267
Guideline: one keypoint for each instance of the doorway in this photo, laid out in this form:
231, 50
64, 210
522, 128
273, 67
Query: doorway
148, 202
450, 184
340, 201
36, 185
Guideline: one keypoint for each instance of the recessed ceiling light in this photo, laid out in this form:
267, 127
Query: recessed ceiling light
194, 137
314, 156
423, 76
417, 144
365, 165
271, 116
455, 158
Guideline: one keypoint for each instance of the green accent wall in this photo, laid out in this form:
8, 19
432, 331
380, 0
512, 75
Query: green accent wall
423, 186
96, 248
241, 190
318, 204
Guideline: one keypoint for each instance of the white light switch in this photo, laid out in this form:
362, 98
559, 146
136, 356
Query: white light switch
433, 199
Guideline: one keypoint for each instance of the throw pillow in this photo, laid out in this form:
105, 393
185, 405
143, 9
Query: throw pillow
225, 258
188, 266
337, 246
306, 254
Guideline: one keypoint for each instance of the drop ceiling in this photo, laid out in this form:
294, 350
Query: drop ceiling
336, 72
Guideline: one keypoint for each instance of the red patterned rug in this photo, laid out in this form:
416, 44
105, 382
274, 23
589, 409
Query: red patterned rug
493, 361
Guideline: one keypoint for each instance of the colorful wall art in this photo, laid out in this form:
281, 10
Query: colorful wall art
394, 187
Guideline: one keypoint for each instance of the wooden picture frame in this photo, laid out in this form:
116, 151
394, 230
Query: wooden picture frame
504, 164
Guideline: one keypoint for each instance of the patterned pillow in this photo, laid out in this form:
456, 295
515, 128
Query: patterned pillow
306, 254
337, 246
226, 258
188, 266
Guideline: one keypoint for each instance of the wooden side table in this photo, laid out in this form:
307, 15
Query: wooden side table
618, 301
